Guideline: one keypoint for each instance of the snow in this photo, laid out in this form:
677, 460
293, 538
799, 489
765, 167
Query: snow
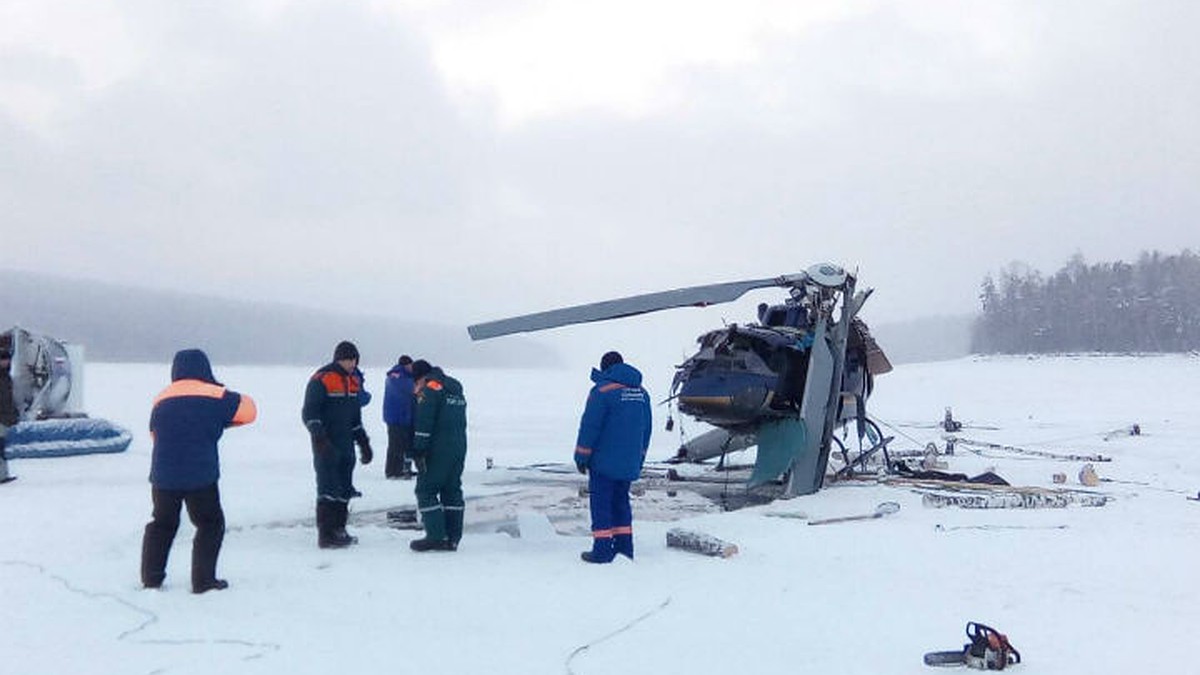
1078, 590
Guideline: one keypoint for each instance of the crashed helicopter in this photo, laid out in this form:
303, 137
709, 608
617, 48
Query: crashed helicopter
784, 383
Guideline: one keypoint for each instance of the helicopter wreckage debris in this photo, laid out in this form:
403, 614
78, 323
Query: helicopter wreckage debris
782, 383
977, 446
939, 494
884, 509
669, 492
1018, 499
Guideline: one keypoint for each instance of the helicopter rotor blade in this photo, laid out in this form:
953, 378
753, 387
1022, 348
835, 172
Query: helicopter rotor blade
694, 296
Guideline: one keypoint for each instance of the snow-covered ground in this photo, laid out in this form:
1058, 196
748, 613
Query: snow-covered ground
1077, 590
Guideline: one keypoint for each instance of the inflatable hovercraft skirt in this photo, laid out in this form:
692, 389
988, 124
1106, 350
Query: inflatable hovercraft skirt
64, 437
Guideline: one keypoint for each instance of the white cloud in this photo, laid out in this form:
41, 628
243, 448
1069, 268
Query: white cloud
620, 56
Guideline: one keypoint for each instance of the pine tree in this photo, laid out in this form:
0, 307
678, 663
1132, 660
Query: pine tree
1152, 305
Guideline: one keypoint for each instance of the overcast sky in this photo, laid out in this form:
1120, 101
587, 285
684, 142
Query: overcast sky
463, 161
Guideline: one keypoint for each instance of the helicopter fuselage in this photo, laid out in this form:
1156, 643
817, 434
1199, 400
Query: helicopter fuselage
743, 375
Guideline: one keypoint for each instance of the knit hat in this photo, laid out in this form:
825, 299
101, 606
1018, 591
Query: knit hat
610, 359
420, 368
345, 350
404, 360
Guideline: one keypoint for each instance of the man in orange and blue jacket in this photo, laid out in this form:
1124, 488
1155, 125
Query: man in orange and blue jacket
186, 422
332, 413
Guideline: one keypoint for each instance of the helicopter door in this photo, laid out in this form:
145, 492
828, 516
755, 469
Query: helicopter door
779, 442
792, 366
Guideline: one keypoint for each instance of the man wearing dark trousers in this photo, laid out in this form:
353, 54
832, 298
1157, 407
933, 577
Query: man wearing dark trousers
440, 450
8, 409
332, 414
398, 416
186, 422
614, 434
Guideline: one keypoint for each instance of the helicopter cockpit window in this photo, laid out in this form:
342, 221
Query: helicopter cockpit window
797, 317
777, 316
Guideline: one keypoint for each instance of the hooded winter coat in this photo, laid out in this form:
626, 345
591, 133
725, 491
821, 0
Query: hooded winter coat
188, 419
614, 431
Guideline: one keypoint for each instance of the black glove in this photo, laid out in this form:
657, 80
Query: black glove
364, 447
321, 444
581, 468
419, 462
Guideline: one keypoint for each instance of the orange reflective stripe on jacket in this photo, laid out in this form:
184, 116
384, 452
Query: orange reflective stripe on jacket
246, 412
190, 388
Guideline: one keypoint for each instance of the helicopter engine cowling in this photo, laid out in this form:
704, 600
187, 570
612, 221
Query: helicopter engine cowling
746, 374
735, 398
738, 376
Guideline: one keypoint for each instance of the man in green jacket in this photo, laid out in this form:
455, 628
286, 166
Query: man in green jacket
439, 448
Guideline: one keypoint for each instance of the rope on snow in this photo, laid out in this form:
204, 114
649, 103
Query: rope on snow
622, 629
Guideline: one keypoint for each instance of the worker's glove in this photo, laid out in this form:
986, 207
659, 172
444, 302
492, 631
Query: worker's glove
321, 444
581, 467
364, 446
419, 462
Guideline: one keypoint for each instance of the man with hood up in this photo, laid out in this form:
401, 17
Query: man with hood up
332, 413
186, 422
614, 434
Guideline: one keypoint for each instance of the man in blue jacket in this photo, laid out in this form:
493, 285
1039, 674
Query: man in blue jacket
614, 434
398, 416
186, 422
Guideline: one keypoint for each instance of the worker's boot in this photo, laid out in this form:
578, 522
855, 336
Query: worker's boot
602, 551
342, 515
327, 526
435, 533
454, 525
623, 545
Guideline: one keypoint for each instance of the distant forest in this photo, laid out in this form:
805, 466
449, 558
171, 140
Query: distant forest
122, 324
1152, 305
